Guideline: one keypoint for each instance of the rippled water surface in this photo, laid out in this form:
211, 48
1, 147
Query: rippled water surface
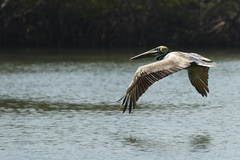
61, 104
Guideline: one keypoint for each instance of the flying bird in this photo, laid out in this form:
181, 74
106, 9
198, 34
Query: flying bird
168, 62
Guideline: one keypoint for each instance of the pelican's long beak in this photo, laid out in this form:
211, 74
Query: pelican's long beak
152, 53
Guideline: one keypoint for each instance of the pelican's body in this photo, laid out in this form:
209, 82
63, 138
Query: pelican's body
167, 63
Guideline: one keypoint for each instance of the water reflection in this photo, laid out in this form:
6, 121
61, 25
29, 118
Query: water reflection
200, 143
62, 104
142, 144
13, 105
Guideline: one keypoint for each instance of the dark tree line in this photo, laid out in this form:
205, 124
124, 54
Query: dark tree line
119, 23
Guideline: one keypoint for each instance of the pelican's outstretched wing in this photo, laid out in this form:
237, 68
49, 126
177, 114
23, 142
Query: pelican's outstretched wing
199, 78
146, 75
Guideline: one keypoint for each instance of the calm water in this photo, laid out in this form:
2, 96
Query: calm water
61, 104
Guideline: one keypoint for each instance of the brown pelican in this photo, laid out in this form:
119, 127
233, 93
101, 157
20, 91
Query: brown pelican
167, 63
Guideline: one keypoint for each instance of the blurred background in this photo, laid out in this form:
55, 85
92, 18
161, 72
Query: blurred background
64, 65
119, 23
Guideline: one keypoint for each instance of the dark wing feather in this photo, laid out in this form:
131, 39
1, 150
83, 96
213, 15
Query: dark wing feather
146, 75
199, 78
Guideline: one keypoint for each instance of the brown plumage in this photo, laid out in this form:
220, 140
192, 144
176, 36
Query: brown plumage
172, 62
199, 79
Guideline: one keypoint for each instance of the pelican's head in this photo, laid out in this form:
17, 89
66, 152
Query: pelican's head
158, 53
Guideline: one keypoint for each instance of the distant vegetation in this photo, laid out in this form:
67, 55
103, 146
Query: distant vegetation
119, 23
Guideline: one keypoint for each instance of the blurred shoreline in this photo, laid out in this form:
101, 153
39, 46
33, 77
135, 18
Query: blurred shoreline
111, 24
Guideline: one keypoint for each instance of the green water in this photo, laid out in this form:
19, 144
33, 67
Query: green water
61, 104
